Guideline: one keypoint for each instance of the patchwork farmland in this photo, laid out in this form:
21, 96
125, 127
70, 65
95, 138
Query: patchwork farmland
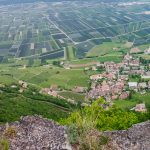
46, 30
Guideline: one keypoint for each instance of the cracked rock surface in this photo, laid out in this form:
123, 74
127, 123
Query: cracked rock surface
36, 133
135, 138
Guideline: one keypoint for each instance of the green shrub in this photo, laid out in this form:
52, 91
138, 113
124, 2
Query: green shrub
10, 132
4, 144
73, 134
97, 117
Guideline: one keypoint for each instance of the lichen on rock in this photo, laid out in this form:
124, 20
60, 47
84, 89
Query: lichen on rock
35, 133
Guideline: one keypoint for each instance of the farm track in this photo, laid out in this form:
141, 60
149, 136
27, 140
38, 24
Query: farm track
59, 29
110, 26
60, 107
82, 65
87, 41
113, 36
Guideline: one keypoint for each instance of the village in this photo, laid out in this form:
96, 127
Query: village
117, 81
114, 82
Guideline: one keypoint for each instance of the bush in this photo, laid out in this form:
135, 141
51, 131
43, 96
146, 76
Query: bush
4, 144
86, 126
97, 117
86, 138
10, 132
72, 134
92, 140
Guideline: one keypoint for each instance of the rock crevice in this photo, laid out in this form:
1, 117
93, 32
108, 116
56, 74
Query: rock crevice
135, 138
36, 133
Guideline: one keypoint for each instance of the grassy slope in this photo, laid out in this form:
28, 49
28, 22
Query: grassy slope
72, 95
14, 106
44, 77
136, 98
116, 57
105, 48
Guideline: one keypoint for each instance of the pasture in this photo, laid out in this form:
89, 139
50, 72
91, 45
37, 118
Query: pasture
72, 95
106, 48
44, 76
136, 98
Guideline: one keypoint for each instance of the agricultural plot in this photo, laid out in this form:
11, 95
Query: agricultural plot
44, 76
72, 95
106, 48
45, 30
137, 98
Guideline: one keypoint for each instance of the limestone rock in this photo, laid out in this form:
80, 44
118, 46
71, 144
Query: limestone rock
135, 138
36, 133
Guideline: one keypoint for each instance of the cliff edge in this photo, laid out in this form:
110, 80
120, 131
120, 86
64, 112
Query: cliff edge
37, 133
135, 138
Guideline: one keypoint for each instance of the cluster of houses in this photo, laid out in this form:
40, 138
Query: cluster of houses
50, 91
107, 85
139, 87
140, 108
114, 82
147, 51
22, 86
54, 91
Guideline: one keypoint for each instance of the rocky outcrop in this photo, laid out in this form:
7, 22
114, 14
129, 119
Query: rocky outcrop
135, 138
35, 133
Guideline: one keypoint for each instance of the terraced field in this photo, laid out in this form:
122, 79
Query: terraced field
44, 76
45, 30
14, 105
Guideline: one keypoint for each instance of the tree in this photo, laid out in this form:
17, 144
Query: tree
30, 61
5, 60
97, 117
56, 63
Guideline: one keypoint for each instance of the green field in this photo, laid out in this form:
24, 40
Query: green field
136, 98
64, 78
72, 95
106, 48
143, 47
70, 53
44, 76
115, 57
13, 106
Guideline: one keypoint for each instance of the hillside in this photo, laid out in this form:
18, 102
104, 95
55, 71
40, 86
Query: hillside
15, 104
